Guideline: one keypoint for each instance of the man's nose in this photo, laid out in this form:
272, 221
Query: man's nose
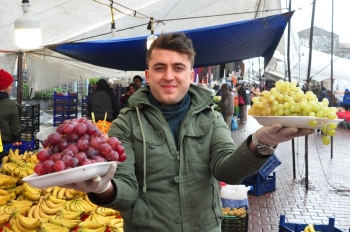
169, 74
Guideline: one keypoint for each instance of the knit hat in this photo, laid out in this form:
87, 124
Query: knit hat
6, 79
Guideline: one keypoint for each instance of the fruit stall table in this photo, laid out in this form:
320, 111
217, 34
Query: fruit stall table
344, 115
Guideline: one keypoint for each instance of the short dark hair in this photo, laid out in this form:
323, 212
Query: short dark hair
137, 77
177, 42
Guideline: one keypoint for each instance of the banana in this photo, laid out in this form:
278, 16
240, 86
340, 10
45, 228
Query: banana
4, 199
102, 229
31, 212
29, 223
19, 204
311, 228
306, 229
4, 218
53, 228
55, 191
74, 206
91, 225
49, 210
42, 213
86, 198
61, 194
4, 192
4, 160
53, 205
27, 187
55, 220
114, 222
55, 200
71, 215
86, 207
101, 219
69, 223
14, 225
68, 195
30, 196
21, 198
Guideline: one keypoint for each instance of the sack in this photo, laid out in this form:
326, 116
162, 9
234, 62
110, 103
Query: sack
234, 125
240, 100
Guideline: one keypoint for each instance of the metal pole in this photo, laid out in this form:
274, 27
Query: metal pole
331, 103
19, 77
290, 79
308, 81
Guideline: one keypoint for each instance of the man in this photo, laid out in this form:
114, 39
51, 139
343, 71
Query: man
226, 104
177, 148
9, 120
138, 81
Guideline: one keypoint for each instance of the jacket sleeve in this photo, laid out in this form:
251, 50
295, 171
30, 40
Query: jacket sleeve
226, 156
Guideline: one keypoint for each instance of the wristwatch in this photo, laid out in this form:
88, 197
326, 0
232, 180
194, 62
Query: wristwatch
262, 149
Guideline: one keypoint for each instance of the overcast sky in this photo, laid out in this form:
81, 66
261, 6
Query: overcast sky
323, 16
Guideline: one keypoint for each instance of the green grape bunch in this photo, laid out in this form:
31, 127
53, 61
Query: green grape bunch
286, 99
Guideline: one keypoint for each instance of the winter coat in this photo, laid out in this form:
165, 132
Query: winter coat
346, 98
242, 91
162, 188
103, 101
226, 103
9, 120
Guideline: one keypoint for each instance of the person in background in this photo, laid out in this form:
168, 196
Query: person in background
102, 101
138, 81
317, 90
9, 120
254, 91
226, 104
131, 90
324, 94
178, 148
242, 93
346, 100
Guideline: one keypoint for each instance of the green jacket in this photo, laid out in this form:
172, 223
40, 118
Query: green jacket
9, 121
160, 188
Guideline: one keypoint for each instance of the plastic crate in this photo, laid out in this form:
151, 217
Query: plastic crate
268, 168
235, 224
261, 186
25, 146
292, 227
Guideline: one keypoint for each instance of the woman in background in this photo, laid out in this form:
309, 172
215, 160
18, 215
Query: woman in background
131, 90
102, 101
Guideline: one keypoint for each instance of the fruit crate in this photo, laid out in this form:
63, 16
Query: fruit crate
292, 227
65, 106
84, 107
268, 168
261, 186
235, 224
24, 146
29, 118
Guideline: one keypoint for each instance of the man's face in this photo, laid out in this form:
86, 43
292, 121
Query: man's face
137, 82
169, 76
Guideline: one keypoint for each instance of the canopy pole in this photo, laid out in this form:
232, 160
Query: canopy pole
19, 77
308, 81
290, 80
332, 72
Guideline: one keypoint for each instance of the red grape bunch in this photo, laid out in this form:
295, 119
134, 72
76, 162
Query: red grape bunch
77, 142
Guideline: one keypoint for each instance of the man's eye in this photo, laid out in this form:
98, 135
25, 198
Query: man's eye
159, 69
179, 68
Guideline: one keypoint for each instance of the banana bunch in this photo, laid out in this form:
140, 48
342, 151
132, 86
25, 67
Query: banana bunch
6, 181
69, 215
86, 198
103, 211
100, 219
79, 204
19, 170
309, 228
30, 192
4, 218
116, 224
14, 157
17, 190
61, 221
12, 206
6, 196
30, 157
36, 212
49, 227
59, 193
19, 222
88, 226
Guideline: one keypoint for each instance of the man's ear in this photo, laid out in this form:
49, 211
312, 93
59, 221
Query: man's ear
146, 75
192, 75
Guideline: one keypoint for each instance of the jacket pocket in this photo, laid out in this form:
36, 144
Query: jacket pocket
197, 141
157, 151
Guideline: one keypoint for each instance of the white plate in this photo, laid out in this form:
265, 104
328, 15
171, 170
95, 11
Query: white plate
69, 176
294, 121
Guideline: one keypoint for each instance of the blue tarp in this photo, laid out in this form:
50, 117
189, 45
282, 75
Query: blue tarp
213, 45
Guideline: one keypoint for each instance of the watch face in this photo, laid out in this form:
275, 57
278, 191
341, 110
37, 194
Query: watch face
265, 150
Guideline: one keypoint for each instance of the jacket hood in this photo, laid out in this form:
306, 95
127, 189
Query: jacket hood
199, 96
347, 91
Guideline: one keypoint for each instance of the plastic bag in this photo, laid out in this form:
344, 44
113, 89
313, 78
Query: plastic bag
234, 125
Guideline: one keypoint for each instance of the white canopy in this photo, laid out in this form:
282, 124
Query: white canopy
67, 21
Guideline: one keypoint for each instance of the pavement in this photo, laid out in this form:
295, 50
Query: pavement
326, 195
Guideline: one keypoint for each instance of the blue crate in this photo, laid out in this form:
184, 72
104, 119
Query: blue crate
268, 167
292, 227
25, 146
261, 186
